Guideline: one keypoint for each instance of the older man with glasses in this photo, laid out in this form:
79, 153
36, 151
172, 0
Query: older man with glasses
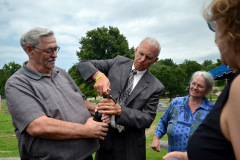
51, 117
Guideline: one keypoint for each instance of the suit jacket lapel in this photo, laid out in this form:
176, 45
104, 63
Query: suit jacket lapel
142, 84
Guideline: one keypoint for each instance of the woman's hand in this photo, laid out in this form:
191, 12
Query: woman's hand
156, 144
180, 155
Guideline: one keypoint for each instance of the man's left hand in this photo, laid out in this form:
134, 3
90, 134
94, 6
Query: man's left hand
108, 106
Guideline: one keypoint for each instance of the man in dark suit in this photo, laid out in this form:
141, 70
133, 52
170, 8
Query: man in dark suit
139, 109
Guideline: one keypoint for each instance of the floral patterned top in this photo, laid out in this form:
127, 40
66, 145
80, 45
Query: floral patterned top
179, 122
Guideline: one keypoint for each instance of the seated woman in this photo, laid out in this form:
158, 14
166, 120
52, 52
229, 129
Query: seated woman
184, 114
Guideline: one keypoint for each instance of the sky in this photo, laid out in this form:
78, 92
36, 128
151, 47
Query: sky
177, 24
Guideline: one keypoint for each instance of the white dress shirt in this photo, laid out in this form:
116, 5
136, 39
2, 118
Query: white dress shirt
137, 76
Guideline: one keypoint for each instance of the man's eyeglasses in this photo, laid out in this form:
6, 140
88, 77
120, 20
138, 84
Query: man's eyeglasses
212, 25
49, 51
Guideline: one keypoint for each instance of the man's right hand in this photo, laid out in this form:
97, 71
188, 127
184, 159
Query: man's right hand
96, 129
102, 84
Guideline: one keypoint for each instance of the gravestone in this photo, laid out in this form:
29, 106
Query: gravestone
164, 144
162, 106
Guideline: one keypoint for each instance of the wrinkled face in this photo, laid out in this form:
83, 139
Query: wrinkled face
42, 60
198, 87
145, 56
227, 53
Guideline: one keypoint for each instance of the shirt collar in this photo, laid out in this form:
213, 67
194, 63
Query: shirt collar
34, 74
139, 72
203, 104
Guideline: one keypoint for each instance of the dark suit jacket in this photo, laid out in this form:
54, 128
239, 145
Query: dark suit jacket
141, 105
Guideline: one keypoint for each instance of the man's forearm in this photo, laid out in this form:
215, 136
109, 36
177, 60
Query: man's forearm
49, 128
91, 107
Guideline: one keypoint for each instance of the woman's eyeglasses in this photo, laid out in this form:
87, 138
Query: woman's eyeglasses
212, 25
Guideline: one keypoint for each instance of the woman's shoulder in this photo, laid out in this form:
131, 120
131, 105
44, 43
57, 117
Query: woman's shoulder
231, 112
179, 100
208, 102
234, 91
235, 83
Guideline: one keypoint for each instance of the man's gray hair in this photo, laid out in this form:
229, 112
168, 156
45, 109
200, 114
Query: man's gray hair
152, 42
33, 37
206, 76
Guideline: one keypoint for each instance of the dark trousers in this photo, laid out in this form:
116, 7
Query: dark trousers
118, 149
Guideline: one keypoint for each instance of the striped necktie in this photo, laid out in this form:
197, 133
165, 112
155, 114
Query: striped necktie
127, 89
123, 97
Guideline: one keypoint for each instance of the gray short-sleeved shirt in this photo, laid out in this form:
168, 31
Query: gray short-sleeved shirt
30, 95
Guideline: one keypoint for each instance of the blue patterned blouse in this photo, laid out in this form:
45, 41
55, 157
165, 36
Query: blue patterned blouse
179, 122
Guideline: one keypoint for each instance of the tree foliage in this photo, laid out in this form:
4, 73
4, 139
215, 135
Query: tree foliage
104, 43
207, 62
189, 67
219, 62
167, 62
171, 77
87, 90
7, 71
73, 72
210, 67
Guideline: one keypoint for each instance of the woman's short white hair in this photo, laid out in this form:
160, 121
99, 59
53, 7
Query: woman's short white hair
206, 76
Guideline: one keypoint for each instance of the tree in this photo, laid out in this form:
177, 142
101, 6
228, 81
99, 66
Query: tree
207, 62
104, 43
86, 89
101, 43
7, 71
75, 75
171, 77
210, 67
189, 67
219, 62
167, 62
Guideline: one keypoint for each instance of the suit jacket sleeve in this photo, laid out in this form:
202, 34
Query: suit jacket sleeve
87, 68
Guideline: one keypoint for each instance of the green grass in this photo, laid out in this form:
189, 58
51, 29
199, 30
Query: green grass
151, 154
214, 96
8, 140
221, 87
